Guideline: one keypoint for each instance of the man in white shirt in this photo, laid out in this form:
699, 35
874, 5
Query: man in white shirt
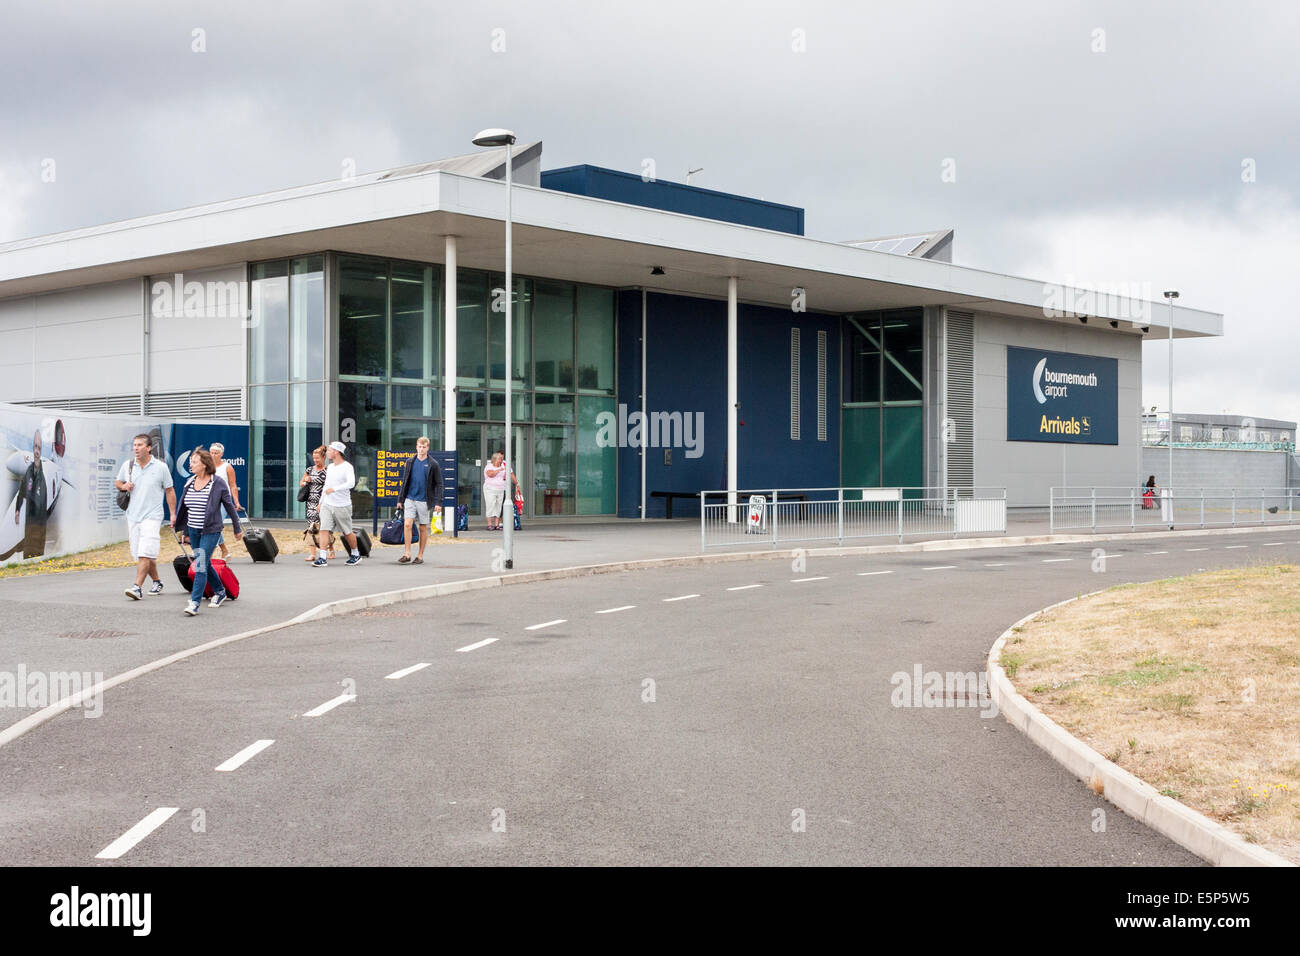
336, 505
148, 480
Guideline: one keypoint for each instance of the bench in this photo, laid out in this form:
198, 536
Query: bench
668, 497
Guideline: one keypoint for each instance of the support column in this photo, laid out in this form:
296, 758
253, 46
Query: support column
733, 400
449, 365
644, 426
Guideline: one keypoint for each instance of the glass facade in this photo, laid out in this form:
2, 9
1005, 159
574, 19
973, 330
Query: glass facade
881, 415
286, 374
389, 388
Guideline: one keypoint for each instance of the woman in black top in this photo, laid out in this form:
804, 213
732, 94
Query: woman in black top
314, 479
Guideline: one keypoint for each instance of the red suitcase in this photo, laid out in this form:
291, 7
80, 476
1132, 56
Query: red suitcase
215, 566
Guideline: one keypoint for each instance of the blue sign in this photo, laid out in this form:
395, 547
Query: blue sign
390, 472
1062, 397
186, 436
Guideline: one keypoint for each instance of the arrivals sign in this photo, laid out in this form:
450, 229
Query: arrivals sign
1062, 397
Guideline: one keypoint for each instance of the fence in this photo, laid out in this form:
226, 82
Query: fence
1091, 509
787, 515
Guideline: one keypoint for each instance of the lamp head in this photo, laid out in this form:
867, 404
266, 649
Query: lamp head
494, 137
1171, 294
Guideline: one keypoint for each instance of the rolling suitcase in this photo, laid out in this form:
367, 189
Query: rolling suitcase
363, 542
183, 564
261, 544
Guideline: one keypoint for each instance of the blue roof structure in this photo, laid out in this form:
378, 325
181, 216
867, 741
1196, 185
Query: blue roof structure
600, 183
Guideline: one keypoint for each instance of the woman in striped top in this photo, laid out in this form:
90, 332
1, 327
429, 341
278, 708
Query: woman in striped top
203, 524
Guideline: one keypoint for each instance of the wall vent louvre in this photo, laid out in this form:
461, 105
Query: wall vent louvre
821, 386
214, 403
961, 399
794, 385
101, 404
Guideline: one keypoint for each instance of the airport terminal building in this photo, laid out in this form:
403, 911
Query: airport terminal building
665, 338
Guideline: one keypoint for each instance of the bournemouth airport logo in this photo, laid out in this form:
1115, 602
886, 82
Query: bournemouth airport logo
1049, 384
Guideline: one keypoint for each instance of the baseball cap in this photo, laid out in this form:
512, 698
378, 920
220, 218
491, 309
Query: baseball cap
339, 447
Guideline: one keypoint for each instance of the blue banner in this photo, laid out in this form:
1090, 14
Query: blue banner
1062, 397
186, 436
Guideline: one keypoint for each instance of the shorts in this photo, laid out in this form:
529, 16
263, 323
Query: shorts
336, 518
494, 500
144, 537
419, 510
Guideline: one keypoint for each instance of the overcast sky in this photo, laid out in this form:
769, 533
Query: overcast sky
1103, 142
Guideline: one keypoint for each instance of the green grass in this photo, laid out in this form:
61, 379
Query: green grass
1011, 663
1151, 670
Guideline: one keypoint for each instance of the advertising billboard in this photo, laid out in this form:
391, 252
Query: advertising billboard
1062, 397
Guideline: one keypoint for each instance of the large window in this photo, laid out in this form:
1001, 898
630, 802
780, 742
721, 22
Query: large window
553, 335
286, 372
388, 358
881, 415
416, 315
363, 311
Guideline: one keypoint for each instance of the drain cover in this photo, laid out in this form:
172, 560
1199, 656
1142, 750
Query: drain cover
93, 635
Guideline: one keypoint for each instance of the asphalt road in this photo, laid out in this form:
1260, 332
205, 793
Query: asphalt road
771, 708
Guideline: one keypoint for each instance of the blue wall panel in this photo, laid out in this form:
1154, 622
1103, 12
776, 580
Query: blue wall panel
611, 184
629, 394
686, 372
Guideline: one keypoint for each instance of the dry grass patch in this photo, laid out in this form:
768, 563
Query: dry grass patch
1192, 684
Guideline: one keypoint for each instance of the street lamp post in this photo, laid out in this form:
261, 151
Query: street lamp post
1171, 294
504, 137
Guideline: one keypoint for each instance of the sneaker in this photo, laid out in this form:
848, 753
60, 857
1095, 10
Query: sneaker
156, 589
353, 559
320, 563
134, 592
404, 559
217, 600
192, 608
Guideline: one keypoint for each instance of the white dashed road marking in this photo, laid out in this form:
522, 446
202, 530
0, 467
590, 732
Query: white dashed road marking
1054, 560
801, 580
613, 610
1273, 544
867, 574
483, 643
398, 675
137, 833
1157, 552
997, 564
682, 597
940, 567
245, 755
533, 627
1232, 546
745, 587
1196, 549
329, 705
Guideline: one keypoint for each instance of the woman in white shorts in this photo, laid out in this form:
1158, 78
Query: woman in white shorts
495, 474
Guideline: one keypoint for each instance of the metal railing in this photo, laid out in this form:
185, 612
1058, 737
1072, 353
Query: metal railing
787, 515
1091, 509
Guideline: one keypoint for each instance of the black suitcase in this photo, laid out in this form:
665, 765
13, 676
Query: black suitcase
181, 565
363, 542
261, 544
